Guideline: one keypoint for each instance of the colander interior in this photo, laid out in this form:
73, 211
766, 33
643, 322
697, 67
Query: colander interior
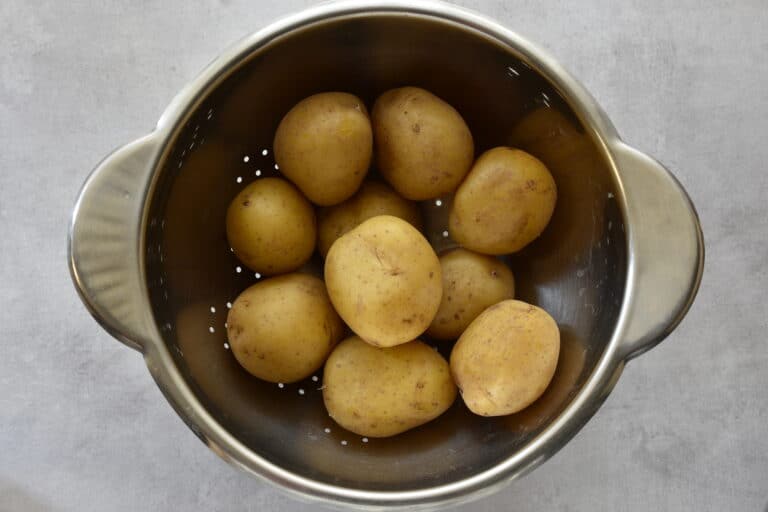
576, 270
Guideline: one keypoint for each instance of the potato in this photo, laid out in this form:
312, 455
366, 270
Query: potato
271, 226
423, 146
283, 328
324, 145
506, 358
380, 392
471, 283
372, 199
504, 204
384, 280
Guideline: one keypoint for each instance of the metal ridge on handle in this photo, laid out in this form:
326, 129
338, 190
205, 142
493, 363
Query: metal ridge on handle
104, 238
667, 251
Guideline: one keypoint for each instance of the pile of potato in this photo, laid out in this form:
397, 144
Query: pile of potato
383, 281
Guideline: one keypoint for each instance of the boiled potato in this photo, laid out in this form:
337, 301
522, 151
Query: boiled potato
423, 146
271, 226
504, 204
380, 392
471, 283
371, 200
283, 328
384, 280
324, 145
506, 358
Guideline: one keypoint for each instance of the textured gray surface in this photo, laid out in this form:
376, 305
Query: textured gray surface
82, 425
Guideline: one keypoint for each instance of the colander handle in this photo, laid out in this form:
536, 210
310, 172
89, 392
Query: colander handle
667, 250
104, 240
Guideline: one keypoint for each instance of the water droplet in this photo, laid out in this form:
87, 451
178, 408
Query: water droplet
315, 378
246, 159
258, 172
226, 346
301, 391
343, 442
211, 329
280, 385
438, 202
445, 234
213, 309
239, 179
229, 305
327, 430
365, 439
264, 152
257, 275
238, 269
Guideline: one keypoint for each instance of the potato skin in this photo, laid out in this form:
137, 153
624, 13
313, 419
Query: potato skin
372, 199
283, 328
506, 358
423, 146
471, 283
383, 278
271, 226
380, 392
324, 145
504, 204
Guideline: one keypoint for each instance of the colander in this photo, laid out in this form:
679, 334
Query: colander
618, 266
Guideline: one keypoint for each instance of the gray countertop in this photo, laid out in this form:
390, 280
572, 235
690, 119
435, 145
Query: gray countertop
82, 424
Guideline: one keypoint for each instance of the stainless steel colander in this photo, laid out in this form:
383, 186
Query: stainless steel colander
618, 266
